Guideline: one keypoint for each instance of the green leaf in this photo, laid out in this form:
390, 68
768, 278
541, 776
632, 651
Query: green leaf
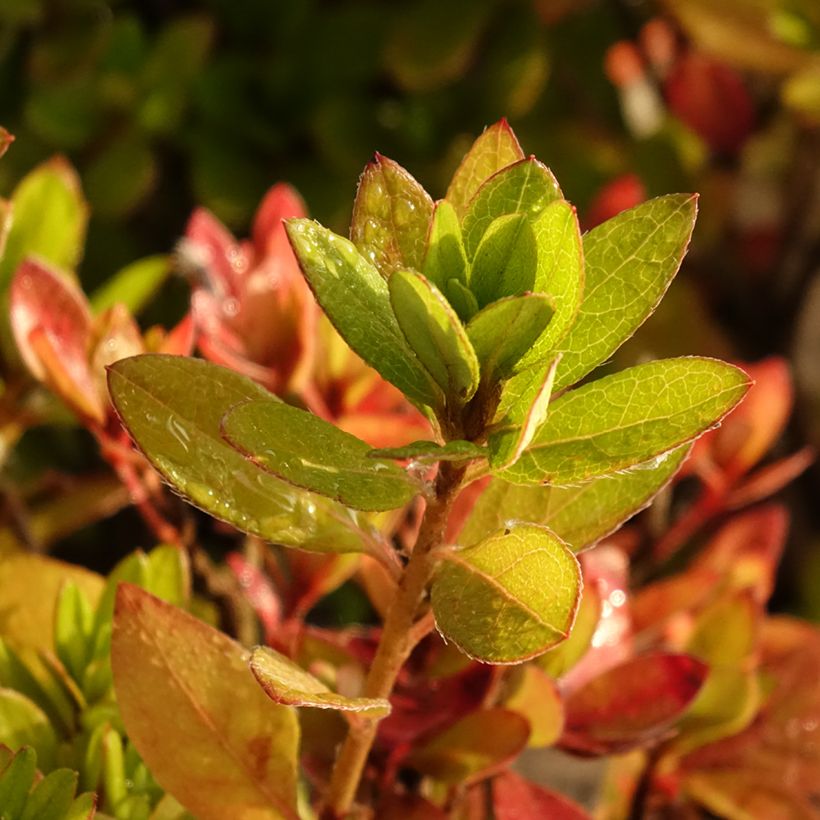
50, 217
52, 796
579, 515
83, 807
504, 331
22, 723
558, 661
391, 217
495, 149
356, 299
526, 187
427, 452
534, 695
507, 442
232, 753
73, 626
629, 262
508, 598
462, 299
307, 451
134, 285
169, 574
173, 407
16, 781
478, 744
505, 260
629, 418
435, 333
445, 258
285, 682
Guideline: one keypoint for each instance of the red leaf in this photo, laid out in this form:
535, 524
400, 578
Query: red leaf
633, 704
625, 191
515, 798
280, 202
259, 592
52, 327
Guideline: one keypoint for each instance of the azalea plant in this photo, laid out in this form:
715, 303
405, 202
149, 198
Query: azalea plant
423, 411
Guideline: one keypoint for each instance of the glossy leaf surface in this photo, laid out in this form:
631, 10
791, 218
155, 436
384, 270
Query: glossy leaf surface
173, 407
307, 451
356, 299
629, 262
496, 148
430, 451
509, 597
286, 682
629, 418
391, 217
435, 333
445, 258
172, 670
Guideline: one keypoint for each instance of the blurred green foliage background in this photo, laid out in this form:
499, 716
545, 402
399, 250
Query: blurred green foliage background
162, 105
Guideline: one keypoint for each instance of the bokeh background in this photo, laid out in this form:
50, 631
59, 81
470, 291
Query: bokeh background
162, 105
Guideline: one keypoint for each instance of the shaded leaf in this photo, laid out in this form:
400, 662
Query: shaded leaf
356, 299
504, 331
52, 797
472, 748
23, 723
629, 262
426, 452
445, 258
307, 451
391, 217
50, 217
173, 407
435, 333
16, 781
535, 695
632, 704
509, 597
496, 148
629, 418
462, 299
170, 669
286, 682
527, 187
579, 515
515, 798
134, 285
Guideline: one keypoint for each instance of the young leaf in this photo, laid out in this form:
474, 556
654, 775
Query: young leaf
285, 682
632, 704
426, 452
526, 187
435, 333
629, 418
172, 670
462, 299
478, 744
391, 217
508, 443
22, 723
52, 796
307, 451
445, 258
505, 261
50, 217
504, 331
629, 262
173, 407
73, 624
84, 808
495, 149
579, 515
133, 286
356, 299
509, 597
16, 781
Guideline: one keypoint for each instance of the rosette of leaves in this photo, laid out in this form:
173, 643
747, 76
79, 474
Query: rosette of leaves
485, 309
57, 703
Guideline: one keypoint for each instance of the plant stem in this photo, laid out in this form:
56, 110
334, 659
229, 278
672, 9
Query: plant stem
397, 640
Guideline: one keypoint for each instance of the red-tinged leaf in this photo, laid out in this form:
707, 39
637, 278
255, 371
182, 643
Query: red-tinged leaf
115, 336
633, 704
771, 479
210, 256
6, 139
515, 798
473, 748
391, 217
280, 202
51, 322
534, 694
658, 602
259, 591
173, 671
496, 148
622, 193
179, 341
409, 807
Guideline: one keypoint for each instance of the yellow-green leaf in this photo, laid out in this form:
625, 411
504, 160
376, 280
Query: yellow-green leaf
445, 258
206, 730
508, 598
